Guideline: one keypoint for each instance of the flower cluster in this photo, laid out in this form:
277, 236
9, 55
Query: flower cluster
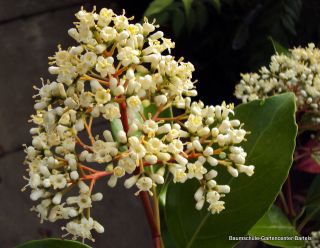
123, 74
298, 72
315, 240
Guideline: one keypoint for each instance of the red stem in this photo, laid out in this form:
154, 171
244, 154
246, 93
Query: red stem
124, 116
143, 195
149, 213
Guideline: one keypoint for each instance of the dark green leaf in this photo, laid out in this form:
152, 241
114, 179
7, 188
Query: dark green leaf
291, 12
241, 36
191, 22
216, 4
151, 110
157, 6
313, 200
187, 6
289, 24
52, 243
178, 21
270, 148
201, 15
313, 196
162, 17
275, 224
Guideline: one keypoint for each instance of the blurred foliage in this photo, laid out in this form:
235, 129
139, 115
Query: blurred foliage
226, 37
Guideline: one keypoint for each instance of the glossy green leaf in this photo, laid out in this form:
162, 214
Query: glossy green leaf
270, 148
157, 6
275, 224
52, 243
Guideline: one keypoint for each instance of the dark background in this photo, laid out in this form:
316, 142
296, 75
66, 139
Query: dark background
220, 43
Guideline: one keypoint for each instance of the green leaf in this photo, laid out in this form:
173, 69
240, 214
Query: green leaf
275, 224
187, 6
278, 48
313, 196
178, 21
241, 37
270, 148
157, 6
216, 4
313, 200
201, 15
52, 243
289, 24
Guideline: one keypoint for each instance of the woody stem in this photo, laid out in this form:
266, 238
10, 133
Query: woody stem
150, 216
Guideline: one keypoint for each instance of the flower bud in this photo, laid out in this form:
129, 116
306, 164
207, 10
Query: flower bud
112, 181
130, 181
200, 204
223, 189
57, 198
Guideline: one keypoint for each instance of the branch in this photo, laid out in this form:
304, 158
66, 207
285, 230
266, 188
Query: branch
149, 213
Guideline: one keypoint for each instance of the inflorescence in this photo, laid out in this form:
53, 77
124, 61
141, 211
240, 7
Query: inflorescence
297, 72
123, 74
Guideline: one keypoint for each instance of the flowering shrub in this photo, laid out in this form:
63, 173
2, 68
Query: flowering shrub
122, 75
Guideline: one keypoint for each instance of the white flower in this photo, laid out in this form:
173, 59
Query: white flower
119, 171
104, 151
58, 181
102, 96
108, 34
105, 17
137, 150
105, 66
89, 59
86, 99
196, 170
128, 164
134, 103
150, 127
175, 147
154, 145
128, 55
111, 111
216, 207
83, 201
144, 184
179, 176
193, 123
